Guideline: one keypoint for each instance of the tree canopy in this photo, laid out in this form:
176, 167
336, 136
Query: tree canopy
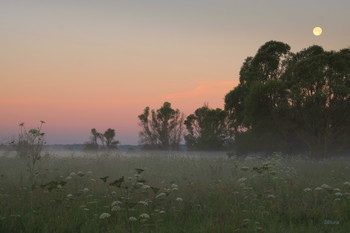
292, 102
162, 128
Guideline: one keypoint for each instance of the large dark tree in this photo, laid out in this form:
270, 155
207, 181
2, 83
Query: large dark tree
249, 113
206, 129
162, 128
292, 102
318, 87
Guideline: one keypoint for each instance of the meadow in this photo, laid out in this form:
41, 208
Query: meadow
174, 192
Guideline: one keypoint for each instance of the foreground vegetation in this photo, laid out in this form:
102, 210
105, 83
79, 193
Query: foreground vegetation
167, 192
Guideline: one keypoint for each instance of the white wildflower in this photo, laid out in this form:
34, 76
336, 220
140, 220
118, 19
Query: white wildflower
145, 187
338, 194
144, 216
160, 195
68, 178
132, 219
336, 190
179, 199
104, 215
70, 195
72, 174
174, 186
143, 203
85, 190
347, 184
241, 180
326, 186
271, 196
306, 190
93, 180
162, 212
244, 168
116, 203
116, 208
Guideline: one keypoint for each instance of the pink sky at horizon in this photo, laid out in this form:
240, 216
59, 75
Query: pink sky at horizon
97, 64
75, 122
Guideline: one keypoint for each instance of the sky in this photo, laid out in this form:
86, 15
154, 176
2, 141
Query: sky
82, 64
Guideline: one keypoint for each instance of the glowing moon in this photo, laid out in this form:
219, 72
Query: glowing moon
317, 31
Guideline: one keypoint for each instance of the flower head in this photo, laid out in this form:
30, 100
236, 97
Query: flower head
144, 216
104, 215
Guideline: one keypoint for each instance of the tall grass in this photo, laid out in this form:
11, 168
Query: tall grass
175, 193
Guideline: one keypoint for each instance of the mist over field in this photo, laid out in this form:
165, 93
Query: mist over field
135, 191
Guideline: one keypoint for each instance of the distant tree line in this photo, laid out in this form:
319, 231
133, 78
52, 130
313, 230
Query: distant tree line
286, 102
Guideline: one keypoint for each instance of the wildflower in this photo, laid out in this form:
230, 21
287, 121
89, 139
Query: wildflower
113, 192
144, 216
338, 194
336, 190
116, 203
326, 186
143, 203
132, 219
347, 184
69, 195
337, 199
85, 190
162, 212
59, 186
241, 180
68, 178
139, 184
89, 172
104, 215
179, 199
116, 208
271, 196
246, 220
72, 174
93, 180
174, 186
244, 168
318, 189
160, 195
145, 187
306, 190
86, 209
80, 173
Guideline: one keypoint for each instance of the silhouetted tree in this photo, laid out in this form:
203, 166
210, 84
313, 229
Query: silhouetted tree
106, 140
162, 128
292, 102
206, 129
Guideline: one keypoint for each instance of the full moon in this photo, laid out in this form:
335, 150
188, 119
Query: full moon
317, 31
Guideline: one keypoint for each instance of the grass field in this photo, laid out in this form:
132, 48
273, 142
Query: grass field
174, 192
